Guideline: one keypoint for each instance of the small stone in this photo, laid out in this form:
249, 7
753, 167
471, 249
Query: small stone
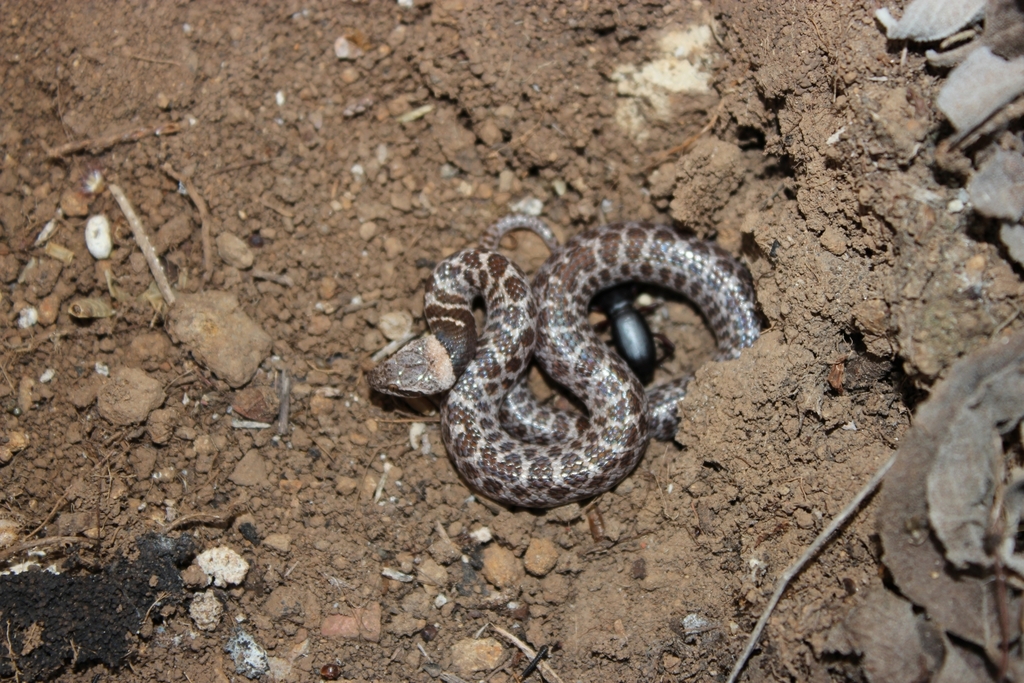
163, 101
285, 603
327, 288
73, 203
205, 611
220, 335
395, 324
392, 247
541, 556
251, 470
9, 530
803, 518
290, 486
346, 49
48, 310
318, 325
433, 573
405, 625
350, 75
368, 230
470, 656
223, 564
194, 577
234, 251
282, 543
501, 567
871, 316
249, 657
345, 486
129, 396
834, 240
259, 403
16, 442
444, 551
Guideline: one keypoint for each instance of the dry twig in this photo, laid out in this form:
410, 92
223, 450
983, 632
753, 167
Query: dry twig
791, 572
144, 244
204, 219
205, 518
40, 543
545, 669
96, 145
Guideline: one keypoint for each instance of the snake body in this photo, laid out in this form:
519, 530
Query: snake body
505, 444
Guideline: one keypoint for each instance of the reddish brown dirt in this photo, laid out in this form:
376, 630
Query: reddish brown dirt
869, 287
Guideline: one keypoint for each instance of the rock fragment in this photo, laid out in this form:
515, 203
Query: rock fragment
220, 335
129, 396
470, 656
223, 565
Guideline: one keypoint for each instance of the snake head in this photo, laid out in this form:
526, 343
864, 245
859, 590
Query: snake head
421, 368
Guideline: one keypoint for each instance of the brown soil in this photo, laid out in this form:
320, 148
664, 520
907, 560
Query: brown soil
822, 170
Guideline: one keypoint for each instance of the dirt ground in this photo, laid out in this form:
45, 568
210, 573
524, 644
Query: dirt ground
792, 133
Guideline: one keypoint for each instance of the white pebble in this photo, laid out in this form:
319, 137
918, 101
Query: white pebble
205, 611
27, 317
440, 601
97, 237
47, 375
531, 206
395, 324
102, 369
481, 535
9, 530
396, 575
343, 49
279, 98
223, 565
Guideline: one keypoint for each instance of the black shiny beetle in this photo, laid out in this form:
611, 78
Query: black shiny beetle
632, 336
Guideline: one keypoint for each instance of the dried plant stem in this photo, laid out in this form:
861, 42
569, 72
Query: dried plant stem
96, 145
791, 572
204, 219
144, 244
548, 673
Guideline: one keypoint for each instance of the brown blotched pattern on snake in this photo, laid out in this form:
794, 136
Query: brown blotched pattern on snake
575, 457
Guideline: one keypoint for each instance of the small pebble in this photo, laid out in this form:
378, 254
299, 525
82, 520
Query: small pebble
73, 203
531, 206
224, 565
234, 251
429, 632
279, 542
541, 556
367, 230
129, 397
469, 655
47, 375
9, 530
249, 657
395, 325
97, 237
206, 610
27, 317
330, 672
501, 567
344, 49
255, 240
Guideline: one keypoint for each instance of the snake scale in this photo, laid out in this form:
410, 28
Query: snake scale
502, 441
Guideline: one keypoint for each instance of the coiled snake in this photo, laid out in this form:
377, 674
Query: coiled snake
505, 444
